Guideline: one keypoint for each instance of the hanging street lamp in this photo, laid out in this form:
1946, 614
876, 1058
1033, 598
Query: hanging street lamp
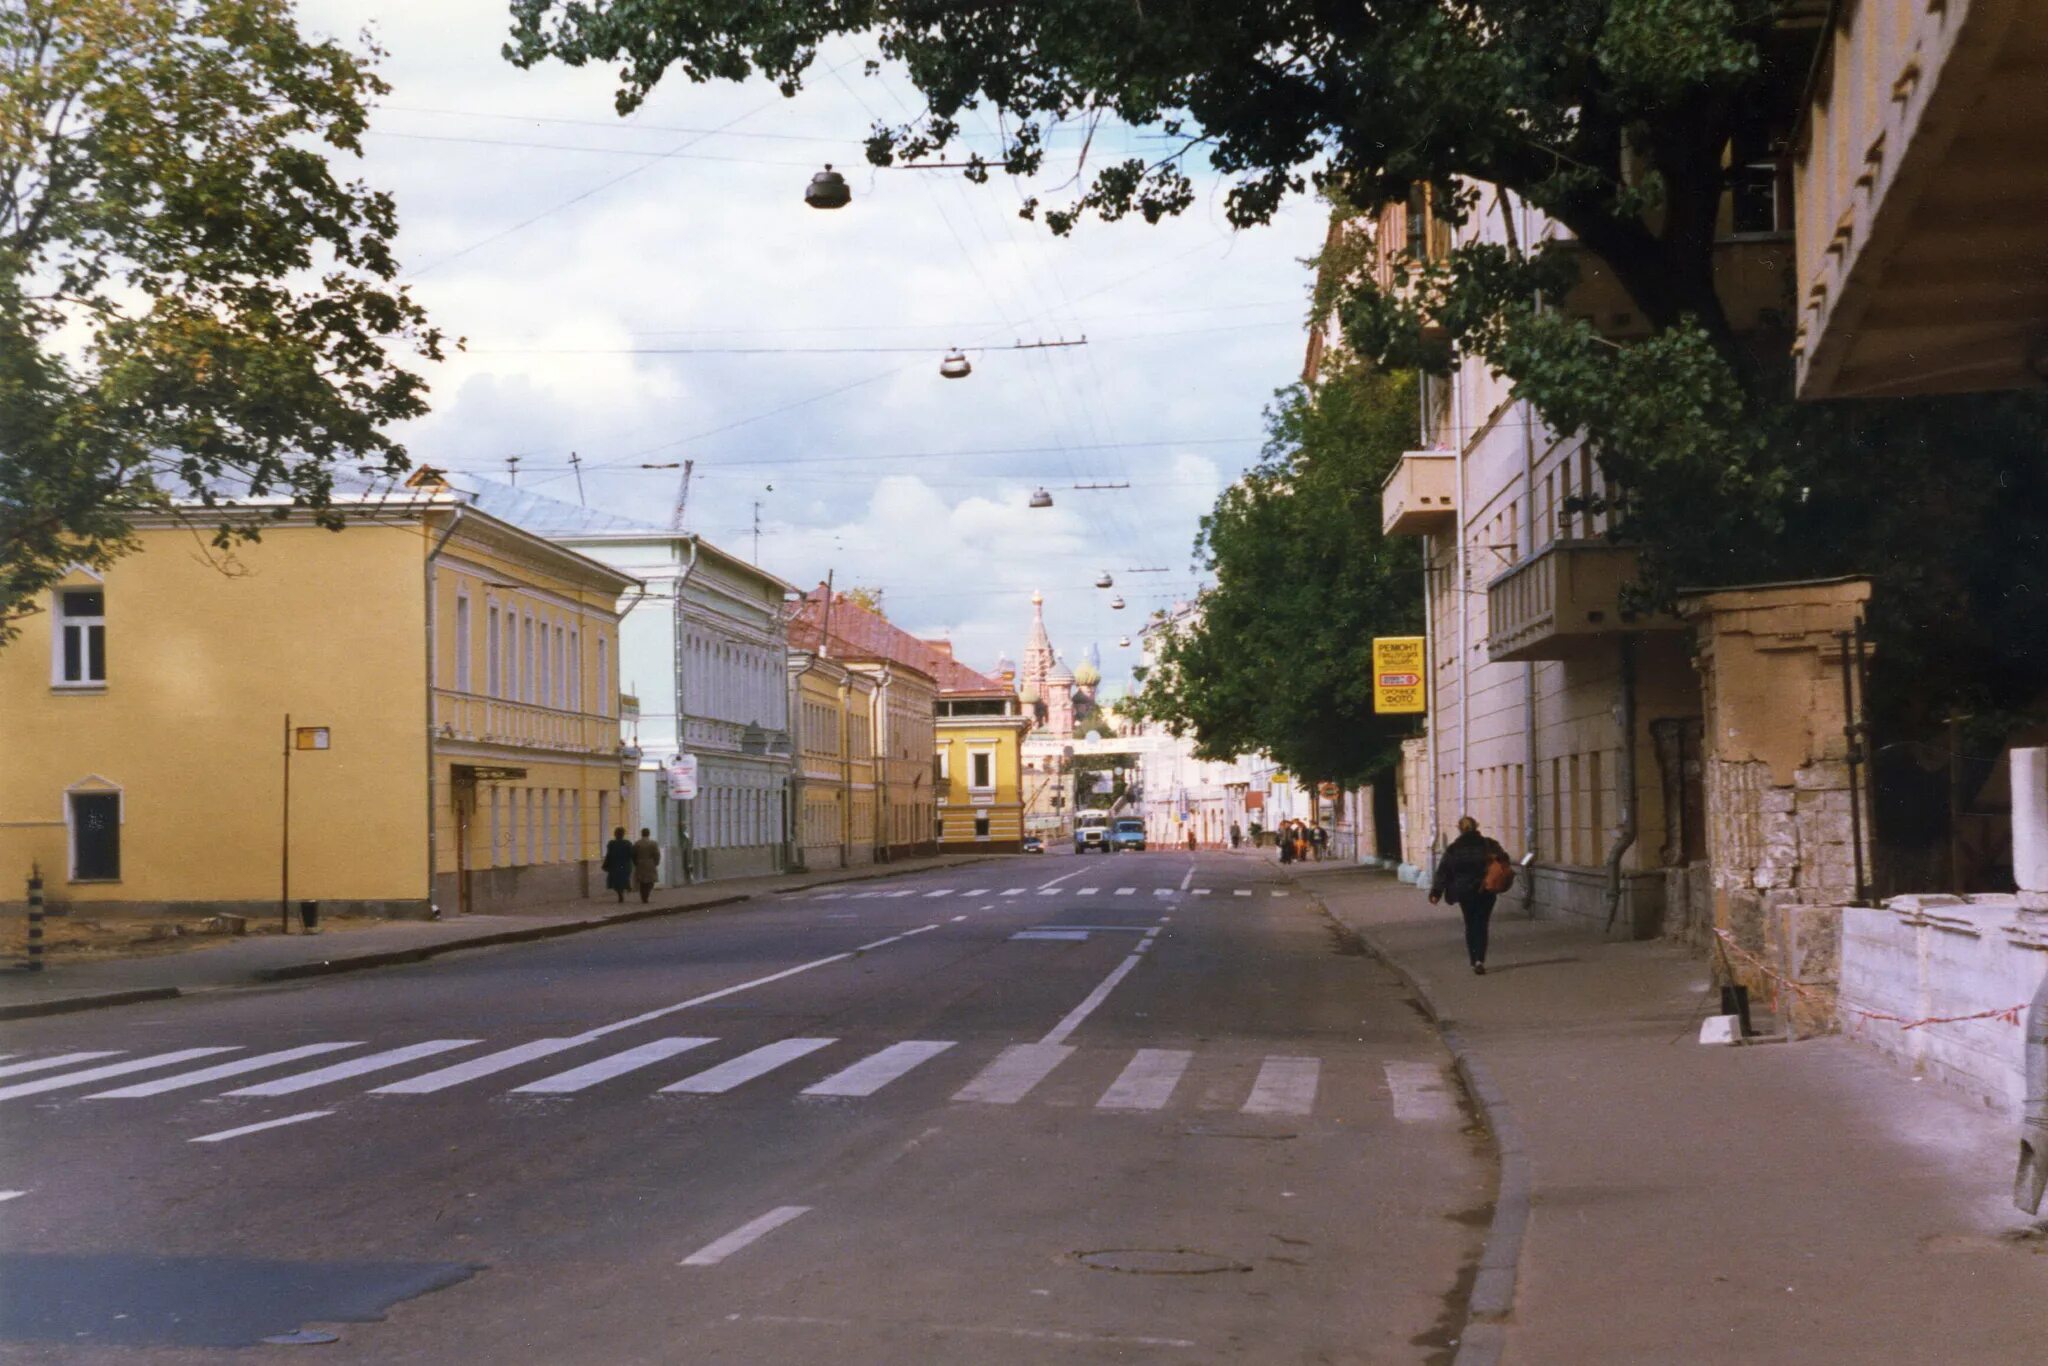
828, 190
955, 366
1040, 498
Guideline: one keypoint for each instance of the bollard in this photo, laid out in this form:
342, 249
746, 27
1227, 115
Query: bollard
309, 916
35, 918
1735, 1001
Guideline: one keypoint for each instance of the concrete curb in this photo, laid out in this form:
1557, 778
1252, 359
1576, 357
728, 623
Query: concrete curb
66, 1005
399, 957
1492, 1299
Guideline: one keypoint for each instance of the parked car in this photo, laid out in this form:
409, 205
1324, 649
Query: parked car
1033, 845
1127, 835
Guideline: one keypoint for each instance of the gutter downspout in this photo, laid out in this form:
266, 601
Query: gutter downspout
1464, 628
1531, 802
433, 676
676, 614
1429, 729
2030, 1183
1625, 778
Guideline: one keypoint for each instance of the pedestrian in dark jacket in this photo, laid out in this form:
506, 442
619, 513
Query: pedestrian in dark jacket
618, 863
1236, 834
1286, 833
646, 861
1461, 880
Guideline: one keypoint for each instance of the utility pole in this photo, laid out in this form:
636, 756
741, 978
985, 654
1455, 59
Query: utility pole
675, 521
512, 466
757, 531
576, 464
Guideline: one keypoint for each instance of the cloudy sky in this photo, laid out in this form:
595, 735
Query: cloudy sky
639, 292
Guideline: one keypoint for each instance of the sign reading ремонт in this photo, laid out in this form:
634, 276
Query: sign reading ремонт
1397, 671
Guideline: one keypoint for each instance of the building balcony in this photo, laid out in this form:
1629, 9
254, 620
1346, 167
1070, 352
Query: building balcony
1559, 602
1923, 202
1420, 495
521, 725
1753, 275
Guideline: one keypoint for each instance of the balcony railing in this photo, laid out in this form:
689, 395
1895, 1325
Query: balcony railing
1558, 602
496, 721
1420, 495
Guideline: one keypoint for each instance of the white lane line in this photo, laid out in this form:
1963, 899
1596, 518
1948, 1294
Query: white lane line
1279, 894
1069, 936
1126, 891
1420, 1094
1048, 891
225, 1134
872, 1073
1015, 1071
865, 896
159, 1085
1088, 891
828, 896
747, 1066
1285, 1086
11, 1195
1187, 877
1058, 880
354, 1067
1015, 891
1095, 998
1105, 929
943, 891
1163, 891
897, 938
975, 891
1242, 891
15, 1069
710, 996
504, 1059
112, 1069
986, 1329
604, 1069
909, 891
1147, 1082
956, 919
716, 1251
1202, 891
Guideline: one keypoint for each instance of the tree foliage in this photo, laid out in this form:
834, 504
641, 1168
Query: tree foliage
1280, 658
1630, 123
188, 293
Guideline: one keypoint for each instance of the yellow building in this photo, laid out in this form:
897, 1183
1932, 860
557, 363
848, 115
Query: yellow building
831, 711
451, 692
978, 770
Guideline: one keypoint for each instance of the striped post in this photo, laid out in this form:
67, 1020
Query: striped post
35, 918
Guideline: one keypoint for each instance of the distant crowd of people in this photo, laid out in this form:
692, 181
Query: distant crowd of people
1298, 841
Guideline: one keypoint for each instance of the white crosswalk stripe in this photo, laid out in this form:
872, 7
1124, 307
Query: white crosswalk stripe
865, 896
748, 1066
1048, 891
15, 1069
975, 891
1015, 1071
1420, 1094
908, 892
354, 1067
1126, 891
1088, 891
943, 891
112, 1069
1285, 1086
156, 1086
1147, 1082
503, 1060
1014, 891
1242, 891
604, 1069
829, 896
877, 1070
1279, 894
1201, 891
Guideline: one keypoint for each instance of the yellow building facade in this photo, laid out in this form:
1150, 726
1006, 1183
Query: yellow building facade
147, 753
978, 771
831, 712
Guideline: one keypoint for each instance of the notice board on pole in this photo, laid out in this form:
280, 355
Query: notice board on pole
1397, 673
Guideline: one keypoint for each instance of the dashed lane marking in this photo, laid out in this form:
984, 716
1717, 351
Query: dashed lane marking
226, 1134
943, 891
716, 1251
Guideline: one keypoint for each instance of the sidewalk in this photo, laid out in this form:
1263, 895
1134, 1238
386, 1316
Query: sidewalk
109, 980
1804, 1202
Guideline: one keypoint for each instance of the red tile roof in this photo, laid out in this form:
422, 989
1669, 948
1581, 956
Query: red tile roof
860, 634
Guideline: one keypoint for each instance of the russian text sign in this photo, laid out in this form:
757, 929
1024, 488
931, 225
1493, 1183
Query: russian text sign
1397, 671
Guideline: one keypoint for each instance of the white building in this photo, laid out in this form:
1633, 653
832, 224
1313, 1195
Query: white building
1180, 793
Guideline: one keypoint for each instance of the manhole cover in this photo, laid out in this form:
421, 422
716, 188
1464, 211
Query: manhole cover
1158, 1261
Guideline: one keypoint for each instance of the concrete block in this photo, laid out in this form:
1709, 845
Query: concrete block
1776, 800
1721, 1029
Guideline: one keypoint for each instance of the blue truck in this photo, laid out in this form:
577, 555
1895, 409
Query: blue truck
1127, 834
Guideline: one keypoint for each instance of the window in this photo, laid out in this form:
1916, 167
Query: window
942, 767
604, 680
511, 690
532, 849
981, 770
462, 644
81, 641
526, 660
561, 682
492, 678
95, 836
541, 678
575, 672
497, 816
981, 825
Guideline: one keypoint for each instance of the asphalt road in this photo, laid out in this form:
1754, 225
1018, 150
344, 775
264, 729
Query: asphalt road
1127, 1108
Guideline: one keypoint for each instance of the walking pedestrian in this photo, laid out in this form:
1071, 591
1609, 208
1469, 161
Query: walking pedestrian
1319, 839
1191, 841
646, 860
1236, 834
618, 863
1466, 877
1285, 835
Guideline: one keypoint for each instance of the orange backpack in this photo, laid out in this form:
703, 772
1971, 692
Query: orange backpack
1500, 873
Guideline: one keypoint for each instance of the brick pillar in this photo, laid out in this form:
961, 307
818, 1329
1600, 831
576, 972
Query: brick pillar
1777, 773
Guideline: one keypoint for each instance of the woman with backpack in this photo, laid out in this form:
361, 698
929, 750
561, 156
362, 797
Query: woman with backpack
1472, 873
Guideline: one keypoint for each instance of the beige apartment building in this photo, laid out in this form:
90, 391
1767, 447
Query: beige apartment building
831, 711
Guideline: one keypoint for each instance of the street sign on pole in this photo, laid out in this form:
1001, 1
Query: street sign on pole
682, 778
1397, 670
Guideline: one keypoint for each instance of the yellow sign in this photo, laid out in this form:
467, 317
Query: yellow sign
1398, 665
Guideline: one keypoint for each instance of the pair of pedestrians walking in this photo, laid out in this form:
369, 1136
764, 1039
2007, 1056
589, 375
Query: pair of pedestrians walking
630, 862
1472, 874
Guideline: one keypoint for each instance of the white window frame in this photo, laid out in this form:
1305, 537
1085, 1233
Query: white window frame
561, 679
493, 670
575, 670
974, 756
61, 625
462, 642
543, 681
526, 658
604, 689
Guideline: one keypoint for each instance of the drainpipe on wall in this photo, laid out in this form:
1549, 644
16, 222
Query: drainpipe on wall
1625, 778
433, 676
676, 626
1430, 705
1531, 804
1462, 585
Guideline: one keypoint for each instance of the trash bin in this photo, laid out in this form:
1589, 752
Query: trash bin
309, 916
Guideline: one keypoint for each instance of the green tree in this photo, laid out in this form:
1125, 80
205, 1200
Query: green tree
1279, 659
188, 294
1625, 121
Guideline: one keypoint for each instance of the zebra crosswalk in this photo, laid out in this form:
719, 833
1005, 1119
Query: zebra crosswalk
844, 894
817, 1067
